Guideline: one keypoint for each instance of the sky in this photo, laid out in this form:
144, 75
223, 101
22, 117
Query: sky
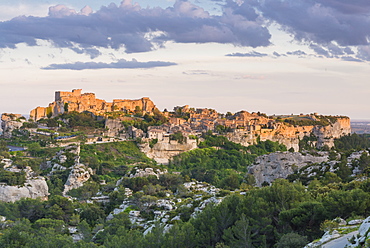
272, 56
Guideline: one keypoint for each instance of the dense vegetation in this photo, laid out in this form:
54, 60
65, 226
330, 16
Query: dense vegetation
260, 218
111, 161
307, 121
146, 121
221, 162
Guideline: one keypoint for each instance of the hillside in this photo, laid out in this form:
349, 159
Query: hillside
185, 178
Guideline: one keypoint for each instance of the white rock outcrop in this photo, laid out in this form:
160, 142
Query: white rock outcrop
148, 172
363, 234
78, 175
164, 150
33, 188
10, 122
281, 164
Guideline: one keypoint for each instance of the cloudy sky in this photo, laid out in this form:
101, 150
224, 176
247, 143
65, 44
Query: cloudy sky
273, 56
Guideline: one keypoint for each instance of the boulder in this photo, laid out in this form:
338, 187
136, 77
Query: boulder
33, 188
281, 164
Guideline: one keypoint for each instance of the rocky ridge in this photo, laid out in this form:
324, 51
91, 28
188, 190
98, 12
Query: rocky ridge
275, 165
10, 122
34, 187
165, 149
290, 135
200, 195
69, 158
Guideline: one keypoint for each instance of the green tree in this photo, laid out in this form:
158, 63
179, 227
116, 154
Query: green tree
292, 240
92, 214
239, 235
57, 225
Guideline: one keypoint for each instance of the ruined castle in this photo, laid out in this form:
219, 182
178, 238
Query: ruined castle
76, 101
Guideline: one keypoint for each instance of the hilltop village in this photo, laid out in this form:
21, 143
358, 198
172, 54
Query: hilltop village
241, 127
84, 172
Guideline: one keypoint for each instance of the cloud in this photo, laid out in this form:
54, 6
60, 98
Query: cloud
363, 52
128, 26
196, 72
250, 54
349, 58
121, 64
321, 21
10, 10
92, 52
297, 53
331, 27
320, 50
276, 54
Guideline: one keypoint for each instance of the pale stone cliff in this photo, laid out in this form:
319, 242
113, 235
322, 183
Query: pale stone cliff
77, 177
75, 101
164, 150
290, 135
147, 172
275, 165
10, 122
115, 128
34, 187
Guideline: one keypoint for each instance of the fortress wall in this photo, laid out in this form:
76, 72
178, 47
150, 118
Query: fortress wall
61, 94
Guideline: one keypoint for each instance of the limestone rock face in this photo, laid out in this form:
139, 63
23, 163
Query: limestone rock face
115, 127
75, 101
33, 188
281, 164
147, 172
290, 135
78, 175
164, 150
9, 122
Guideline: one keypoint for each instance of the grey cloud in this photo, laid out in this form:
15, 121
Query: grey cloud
121, 64
93, 53
276, 54
330, 25
321, 21
348, 50
297, 53
349, 58
320, 50
348, 7
363, 52
127, 25
250, 54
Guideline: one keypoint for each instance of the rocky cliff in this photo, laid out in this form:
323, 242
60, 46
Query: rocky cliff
34, 187
115, 128
164, 150
290, 135
9, 122
77, 177
275, 165
75, 101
